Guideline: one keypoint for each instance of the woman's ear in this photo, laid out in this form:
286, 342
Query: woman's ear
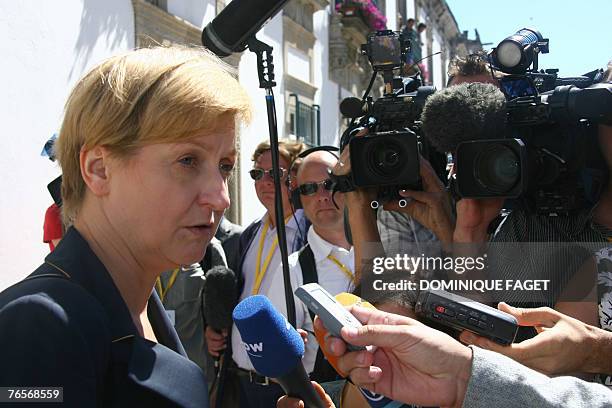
94, 168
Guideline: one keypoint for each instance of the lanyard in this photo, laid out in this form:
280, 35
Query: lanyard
260, 271
342, 267
160, 288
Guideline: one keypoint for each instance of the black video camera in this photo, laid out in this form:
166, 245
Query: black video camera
388, 156
551, 162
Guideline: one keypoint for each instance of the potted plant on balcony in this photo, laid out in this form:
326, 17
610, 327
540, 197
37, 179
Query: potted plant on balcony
365, 9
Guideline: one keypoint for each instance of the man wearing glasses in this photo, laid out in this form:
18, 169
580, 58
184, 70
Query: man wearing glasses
327, 258
259, 258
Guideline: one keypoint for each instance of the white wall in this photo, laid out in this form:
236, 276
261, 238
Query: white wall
327, 96
410, 9
298, 64
391, 14
272, 34
436, 75
46, 47
198, 13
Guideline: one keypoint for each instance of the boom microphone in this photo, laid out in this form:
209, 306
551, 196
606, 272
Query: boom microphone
237, 22
460, 113
353, 107
275, 348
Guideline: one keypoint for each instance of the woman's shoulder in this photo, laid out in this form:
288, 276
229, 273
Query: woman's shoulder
53, 333
53, 302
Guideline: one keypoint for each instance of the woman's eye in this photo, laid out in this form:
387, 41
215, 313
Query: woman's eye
226, 169
188, 161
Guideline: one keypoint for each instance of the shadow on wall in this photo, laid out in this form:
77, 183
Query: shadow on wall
106, 25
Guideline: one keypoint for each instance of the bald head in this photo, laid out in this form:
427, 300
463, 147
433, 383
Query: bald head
313, 163
318, 206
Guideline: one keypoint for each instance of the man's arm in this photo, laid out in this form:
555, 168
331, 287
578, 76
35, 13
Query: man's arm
563, 345
498, 381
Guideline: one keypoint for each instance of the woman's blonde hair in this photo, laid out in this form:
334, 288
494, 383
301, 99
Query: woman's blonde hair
146, 96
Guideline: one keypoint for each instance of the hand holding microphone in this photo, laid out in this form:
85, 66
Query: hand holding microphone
275, 348
220, 294
412, 363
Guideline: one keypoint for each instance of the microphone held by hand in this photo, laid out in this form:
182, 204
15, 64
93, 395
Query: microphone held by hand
275, 348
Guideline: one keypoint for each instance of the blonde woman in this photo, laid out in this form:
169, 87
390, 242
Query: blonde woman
146, 148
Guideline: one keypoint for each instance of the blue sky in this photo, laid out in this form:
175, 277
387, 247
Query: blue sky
580, 32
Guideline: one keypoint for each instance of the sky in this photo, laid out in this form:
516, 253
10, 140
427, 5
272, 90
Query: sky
580, 32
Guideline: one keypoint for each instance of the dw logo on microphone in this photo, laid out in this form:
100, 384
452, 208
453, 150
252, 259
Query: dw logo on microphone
253, 349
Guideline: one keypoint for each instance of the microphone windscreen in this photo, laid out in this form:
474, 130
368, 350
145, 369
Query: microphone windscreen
345, 299
220, 296
469, 111
274, 347
352, 107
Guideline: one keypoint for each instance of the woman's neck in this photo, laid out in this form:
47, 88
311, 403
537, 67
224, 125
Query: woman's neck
134, 280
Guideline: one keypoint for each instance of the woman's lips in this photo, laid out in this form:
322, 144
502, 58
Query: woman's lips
201, 230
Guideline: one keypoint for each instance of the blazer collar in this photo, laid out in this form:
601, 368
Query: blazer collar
74, 257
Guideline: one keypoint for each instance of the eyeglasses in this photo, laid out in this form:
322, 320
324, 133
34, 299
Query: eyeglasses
309, 189
257, 174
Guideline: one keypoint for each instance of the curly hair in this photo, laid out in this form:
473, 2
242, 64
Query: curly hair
470, 65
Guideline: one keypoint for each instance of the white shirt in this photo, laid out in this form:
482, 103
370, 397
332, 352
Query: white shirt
330, 276
248, 271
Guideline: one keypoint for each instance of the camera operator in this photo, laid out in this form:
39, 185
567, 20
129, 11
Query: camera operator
415, 364
593, 225
553, 351
431, 207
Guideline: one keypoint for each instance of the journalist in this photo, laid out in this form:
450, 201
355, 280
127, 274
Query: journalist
146, 148
413, 363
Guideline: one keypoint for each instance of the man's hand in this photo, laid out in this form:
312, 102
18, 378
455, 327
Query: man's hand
288, 402
411, 363
563, 345
430, 207
215, 341
474, 217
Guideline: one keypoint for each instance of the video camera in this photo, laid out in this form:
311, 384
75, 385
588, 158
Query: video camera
551, 162
388, 156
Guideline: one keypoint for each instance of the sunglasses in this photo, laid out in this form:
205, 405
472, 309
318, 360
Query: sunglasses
257, 174
309, 189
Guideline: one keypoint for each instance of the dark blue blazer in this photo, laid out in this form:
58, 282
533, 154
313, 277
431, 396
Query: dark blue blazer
66, 325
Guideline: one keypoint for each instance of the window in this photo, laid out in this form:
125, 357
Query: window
305, 121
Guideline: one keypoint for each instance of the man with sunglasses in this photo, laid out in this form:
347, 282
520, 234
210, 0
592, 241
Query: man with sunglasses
259, 258
328, 257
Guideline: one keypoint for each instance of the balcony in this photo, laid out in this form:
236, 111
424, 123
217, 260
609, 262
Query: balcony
364, 10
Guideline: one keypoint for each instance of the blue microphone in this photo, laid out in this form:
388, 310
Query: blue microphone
275, 348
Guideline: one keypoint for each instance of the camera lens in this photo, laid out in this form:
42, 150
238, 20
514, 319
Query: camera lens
384, 159
497, 168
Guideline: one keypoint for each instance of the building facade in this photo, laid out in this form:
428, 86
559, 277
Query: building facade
318, 62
